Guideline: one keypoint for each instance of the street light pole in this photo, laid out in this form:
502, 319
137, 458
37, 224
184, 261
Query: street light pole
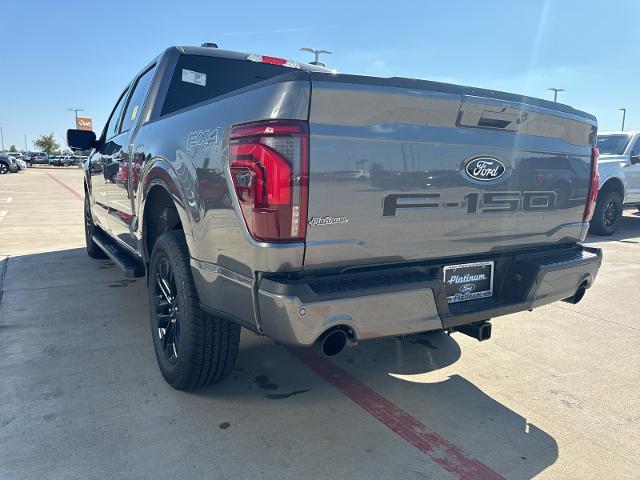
555, 92
624, 114
2, 138
76, 110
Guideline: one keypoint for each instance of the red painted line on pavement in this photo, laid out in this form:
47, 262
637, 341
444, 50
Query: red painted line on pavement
65, 186
436, 447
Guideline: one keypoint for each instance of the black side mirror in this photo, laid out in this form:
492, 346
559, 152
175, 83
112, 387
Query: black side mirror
81, 139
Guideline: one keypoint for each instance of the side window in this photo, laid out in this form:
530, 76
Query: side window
134, 107
636, 147
111, 129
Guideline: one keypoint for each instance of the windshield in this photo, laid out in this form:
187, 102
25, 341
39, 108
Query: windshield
612, 144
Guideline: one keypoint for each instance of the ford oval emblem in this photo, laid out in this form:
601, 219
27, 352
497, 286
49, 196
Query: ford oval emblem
485, 169
467, 288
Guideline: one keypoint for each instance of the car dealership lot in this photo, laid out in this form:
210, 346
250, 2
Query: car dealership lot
554, 393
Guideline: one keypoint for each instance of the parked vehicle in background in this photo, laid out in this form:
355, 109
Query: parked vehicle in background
8, 164
69, 160
39, 159
21, 163
63, 160
221, 176
619, 169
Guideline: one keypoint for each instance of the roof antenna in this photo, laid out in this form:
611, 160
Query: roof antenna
316, 53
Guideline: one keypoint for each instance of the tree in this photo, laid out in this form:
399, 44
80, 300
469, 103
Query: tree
13, 148
47, 144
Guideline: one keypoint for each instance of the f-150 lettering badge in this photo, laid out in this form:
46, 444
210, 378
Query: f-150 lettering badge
327, 220
203, 138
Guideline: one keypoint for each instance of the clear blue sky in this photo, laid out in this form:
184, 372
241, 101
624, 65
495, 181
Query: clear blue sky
56, 55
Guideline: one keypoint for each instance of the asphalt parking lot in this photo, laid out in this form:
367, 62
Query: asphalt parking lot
554, 394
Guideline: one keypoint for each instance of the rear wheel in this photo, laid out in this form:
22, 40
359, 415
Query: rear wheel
608, 213
93, 250
193, 349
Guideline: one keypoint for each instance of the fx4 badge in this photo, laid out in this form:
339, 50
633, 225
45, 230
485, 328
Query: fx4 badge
203, 138
314, 221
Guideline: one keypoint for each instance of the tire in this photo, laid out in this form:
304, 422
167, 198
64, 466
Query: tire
65, 164
608, 213
29, 164
4, 168
93, 250
193, 349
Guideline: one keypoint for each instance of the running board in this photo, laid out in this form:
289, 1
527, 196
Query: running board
131, 267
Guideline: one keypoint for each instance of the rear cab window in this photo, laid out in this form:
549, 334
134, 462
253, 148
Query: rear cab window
197, 78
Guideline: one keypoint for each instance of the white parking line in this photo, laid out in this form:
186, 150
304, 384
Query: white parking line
3, 213
7, 200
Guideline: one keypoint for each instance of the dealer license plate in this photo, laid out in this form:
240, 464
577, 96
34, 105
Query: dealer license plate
468, 281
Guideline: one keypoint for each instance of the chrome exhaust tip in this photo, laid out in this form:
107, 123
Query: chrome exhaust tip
331, 342
578, 295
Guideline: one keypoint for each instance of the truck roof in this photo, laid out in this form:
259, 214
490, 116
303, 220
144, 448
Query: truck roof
218, 52
324, 74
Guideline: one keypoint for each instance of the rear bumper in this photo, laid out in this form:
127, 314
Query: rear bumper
401, 301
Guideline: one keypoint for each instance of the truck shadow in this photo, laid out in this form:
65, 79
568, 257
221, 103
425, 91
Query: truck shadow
97, 333
404, 371
628, 232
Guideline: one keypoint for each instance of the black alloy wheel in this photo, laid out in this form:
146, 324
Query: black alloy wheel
193, 348
167, 311
608, 213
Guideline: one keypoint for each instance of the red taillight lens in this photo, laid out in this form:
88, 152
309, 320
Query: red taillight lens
594, 184
270, 172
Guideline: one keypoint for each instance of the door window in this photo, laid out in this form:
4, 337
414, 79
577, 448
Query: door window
635, 151
136, 101
111, 129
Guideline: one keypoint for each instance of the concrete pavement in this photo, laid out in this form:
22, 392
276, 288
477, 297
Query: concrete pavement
554, 394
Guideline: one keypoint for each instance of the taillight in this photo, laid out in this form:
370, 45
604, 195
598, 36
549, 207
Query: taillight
592, 197
270, 172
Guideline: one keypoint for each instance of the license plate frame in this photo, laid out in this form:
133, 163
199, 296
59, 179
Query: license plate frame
462, 283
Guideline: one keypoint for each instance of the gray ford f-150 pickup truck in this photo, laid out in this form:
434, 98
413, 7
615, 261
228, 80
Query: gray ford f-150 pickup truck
228, 180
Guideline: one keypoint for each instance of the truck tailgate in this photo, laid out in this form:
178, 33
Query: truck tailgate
404, 170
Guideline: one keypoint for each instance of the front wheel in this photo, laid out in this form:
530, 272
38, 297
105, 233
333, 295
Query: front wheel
193, 349
4, 168
93, 250
608, 213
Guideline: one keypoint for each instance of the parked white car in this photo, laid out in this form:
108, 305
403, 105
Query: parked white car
619, 169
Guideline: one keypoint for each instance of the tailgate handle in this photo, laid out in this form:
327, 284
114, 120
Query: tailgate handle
507, 119
482, 115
